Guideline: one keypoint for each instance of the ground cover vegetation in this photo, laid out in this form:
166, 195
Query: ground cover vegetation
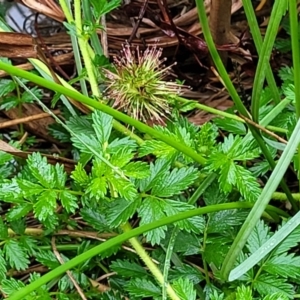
125, 190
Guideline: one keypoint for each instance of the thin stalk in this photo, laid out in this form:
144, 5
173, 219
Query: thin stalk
254, 28
217, 60
149, 263
84, 48
278, 10
225, 114
296, 61
86, 6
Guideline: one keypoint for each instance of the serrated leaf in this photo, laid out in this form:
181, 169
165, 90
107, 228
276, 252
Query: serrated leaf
291, 241
3, 268
156, 172
41, 170
276, 296
128, 268
244, 293
142, 288
216, 249
174, 182
230, 125
186, 271
117, 144
80, 175
268, 284
3, 230
68, 201
10, 191
102, 124
15, 255
94, 219
195, 224
259, 235
151, 210
121, 210
60, 176
187, 243
137, 170
19, 211
45, 205
48, 259
158, 148
225, 220
97, 187
283, 265
121, 157
9, 286
29, 188
184, 289
122, 187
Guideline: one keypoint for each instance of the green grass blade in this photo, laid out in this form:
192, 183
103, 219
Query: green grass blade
279, 8
254, 28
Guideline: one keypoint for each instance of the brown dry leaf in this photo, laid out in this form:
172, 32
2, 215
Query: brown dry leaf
16, 45
37, 127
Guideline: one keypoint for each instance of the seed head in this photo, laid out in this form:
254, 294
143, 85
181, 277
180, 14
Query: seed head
138, 86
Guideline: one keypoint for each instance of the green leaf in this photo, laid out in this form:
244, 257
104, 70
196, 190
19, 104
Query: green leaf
10, 191
121, 211
142, 288
41, 170
174, 182
9, 286
268, 284
243, 293
258, 236
103, 7
284, 265
186, 271
184, 289
102, 123
80, 175
94, 219
128, 268
291, 241
29, 188
187, 243
230, 125
16, 255
3, 230
48, 259
276, 296
45, 205
6, 86
225, 220
137, 169
171, 208
3, 268
157, 148
68, 201
19, 211
122, 187
97, 187
150, 211
157, 170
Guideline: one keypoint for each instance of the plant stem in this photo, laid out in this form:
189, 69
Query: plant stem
148, 262
83, 45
